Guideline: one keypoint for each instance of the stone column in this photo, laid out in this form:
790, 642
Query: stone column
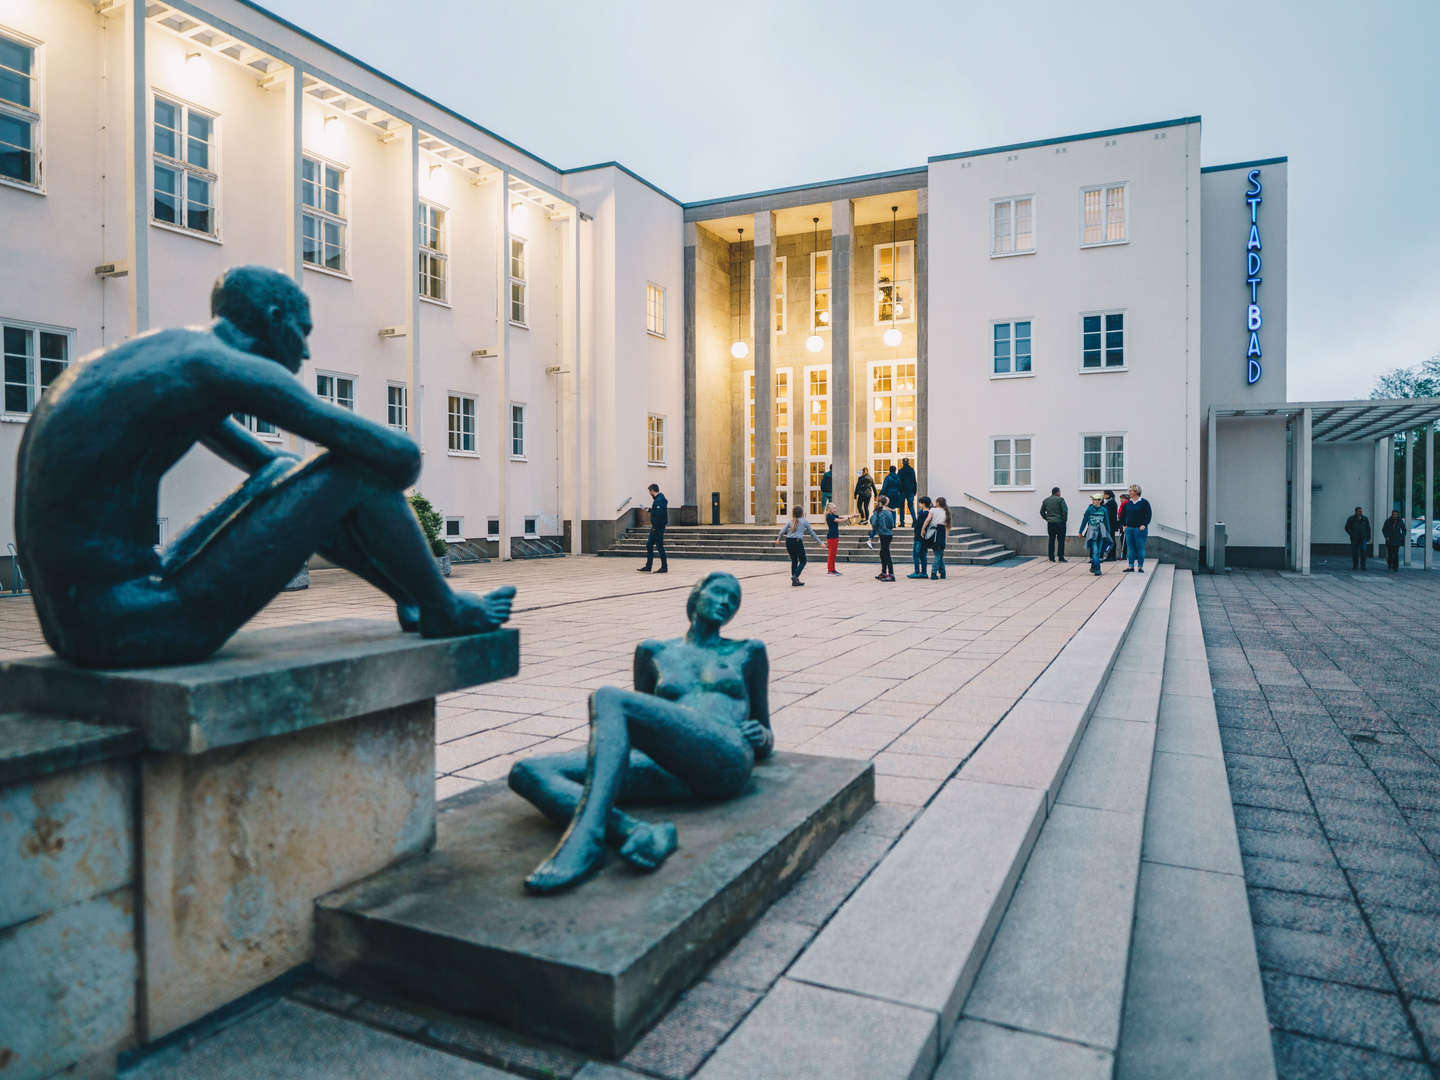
691, 492
1211, 485
412, 294
1305, 433
137, 171
502, 362
764, 372
1427, 544
841, 237
295, 137
1409, 491
922, 339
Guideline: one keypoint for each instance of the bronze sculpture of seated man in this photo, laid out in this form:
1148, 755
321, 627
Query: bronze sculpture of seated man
108, 429
691, 730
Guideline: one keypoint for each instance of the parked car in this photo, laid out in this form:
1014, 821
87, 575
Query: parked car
1417, 534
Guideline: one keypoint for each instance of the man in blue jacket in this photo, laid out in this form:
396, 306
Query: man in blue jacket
1136, 521
659, 518
891, 492
909, 486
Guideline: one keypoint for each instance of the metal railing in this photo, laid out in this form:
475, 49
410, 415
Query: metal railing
1174, 531
17, 580
992, 506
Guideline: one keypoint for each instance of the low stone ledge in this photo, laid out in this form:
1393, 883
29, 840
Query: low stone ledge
264, 682
34, 745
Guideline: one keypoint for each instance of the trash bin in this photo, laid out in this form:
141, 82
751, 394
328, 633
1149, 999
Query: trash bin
1217, 548
714, 508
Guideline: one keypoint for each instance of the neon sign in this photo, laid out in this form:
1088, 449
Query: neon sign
1253, 279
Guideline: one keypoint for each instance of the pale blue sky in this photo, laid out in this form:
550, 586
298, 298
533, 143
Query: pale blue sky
737, 96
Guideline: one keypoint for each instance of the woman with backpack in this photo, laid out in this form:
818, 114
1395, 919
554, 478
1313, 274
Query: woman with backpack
937, 523
864, 492
883, 522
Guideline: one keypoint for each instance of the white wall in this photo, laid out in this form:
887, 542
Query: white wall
1251, 494
1343, 478
1155, 403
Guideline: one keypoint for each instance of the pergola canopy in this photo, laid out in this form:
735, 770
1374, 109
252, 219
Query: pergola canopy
1348, 421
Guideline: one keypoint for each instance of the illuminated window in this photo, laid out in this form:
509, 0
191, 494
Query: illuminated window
817, 433
397, 406
780, 292
1012, 226
894, 282
820, 290
1010, 458
19, 111
1102, 341
33, 358
654, 309
460, 411
434, 252
186, 167
336, 389
1011, 348
517, 430
519, 287
1104, 215
324, 228
893, 415
1102, 461
655, 439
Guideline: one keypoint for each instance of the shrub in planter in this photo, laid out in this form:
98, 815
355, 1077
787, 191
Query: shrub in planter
430, 521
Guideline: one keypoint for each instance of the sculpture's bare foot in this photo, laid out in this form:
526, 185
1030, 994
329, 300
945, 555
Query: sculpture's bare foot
649, 845
468, 614
577, 859
409, 616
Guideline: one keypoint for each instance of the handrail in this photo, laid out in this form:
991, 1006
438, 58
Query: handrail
991, 506
1172, 529
623, 504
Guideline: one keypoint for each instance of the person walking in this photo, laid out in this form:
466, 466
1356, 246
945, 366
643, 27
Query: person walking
1113, 512
883, 522
864, 492
832, 538
918, 552
890, 492
659, 518
827, 488
1055, 514
1095, 530
793, 533
1357, 527
1120, 517
1394, 532
908, 488
937, 526
1136, 521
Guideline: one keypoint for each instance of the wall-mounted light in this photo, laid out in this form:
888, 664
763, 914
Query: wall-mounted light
435, 167
195, 61
330, 119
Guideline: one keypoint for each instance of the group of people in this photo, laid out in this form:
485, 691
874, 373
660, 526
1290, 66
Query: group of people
1357, 527
1109, 527
930, 520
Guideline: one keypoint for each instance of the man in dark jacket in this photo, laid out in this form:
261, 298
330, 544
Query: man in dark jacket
1135, 519
1357, 527
659, 518
1055, 513
864, 492
827, 487
1394, 532
908, 488
890, 489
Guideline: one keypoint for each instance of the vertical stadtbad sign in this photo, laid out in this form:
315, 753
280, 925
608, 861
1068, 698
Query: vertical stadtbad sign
1252, 278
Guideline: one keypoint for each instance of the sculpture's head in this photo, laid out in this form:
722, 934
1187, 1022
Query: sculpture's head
269, 308
715, 598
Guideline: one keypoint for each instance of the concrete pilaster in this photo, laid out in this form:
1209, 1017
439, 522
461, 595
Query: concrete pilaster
922, 339
412, 290
1409, 491
502, 362
764, 372
841, 240
1303, 459
1211, 486
137, 173
1427, 544
294, 113
691, 493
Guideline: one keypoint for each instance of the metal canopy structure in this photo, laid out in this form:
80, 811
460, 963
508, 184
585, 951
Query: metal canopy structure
1349, 421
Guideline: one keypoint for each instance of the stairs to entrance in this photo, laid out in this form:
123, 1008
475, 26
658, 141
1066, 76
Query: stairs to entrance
963, 547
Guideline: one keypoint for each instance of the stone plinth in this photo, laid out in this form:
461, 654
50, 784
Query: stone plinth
593, 966
295, 761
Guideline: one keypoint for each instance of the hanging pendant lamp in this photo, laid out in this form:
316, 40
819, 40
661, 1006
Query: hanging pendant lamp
815, 342
739, 350
892, 336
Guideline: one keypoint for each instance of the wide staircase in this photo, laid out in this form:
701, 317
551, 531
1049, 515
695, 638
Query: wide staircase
963, 547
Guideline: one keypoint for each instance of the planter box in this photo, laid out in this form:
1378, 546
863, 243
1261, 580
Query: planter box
442, 563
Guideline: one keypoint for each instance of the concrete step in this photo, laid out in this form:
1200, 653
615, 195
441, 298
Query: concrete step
894, 964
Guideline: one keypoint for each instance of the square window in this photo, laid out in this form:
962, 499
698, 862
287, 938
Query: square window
532, 529
1102, 341
33, 358
336, 389
1103, 215
1102, 460
1011, 348
492, 528
454, 528
1012, 225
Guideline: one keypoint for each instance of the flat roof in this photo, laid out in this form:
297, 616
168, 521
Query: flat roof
1257, 163
1105, 134
1346, 421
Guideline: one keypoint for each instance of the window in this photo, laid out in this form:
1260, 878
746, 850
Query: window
1102, 341
266, 430
1013, 226
1010, 455
1011, 348
34, 358
1102, 461
781, 294
655, 439
336, 389
186, 167
532, 528
323, 224
454, 528
517, 430
894, 282
817, 433
492, 528
820, 290
19, 112
434, 253
892, 415
1104, 209
397, 406
461, 413
519, 290
654, 309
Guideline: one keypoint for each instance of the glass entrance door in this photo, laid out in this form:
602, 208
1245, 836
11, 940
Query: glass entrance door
817, 434
892, 416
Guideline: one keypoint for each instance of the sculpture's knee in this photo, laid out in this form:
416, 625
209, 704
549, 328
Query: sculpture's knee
524, 778
606, 697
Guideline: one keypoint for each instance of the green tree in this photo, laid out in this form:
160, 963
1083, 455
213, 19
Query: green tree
430, 522
1420, 381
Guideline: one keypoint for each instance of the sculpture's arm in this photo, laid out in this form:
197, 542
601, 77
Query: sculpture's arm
265, 389
232, 443
757, 685
646, 673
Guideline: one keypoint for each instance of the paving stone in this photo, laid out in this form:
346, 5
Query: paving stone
1322, 956
1427, 1019
1316, 914
1193, 1001
763, 954
379, 1014
1189, 821
1417, 970
690, 1031
1396, 926
824, 887
1294, 847
905, 790
1267, 820
1346, 1014
325, 996
505, 1049
1298, 1057
981, 1051
1031, 747
1397, 862
822, 1034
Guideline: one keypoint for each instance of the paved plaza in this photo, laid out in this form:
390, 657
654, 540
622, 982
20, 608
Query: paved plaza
1327, 692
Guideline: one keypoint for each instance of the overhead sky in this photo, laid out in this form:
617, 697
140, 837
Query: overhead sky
723, 98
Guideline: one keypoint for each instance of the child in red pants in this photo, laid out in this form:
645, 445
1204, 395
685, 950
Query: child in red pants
832, 538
